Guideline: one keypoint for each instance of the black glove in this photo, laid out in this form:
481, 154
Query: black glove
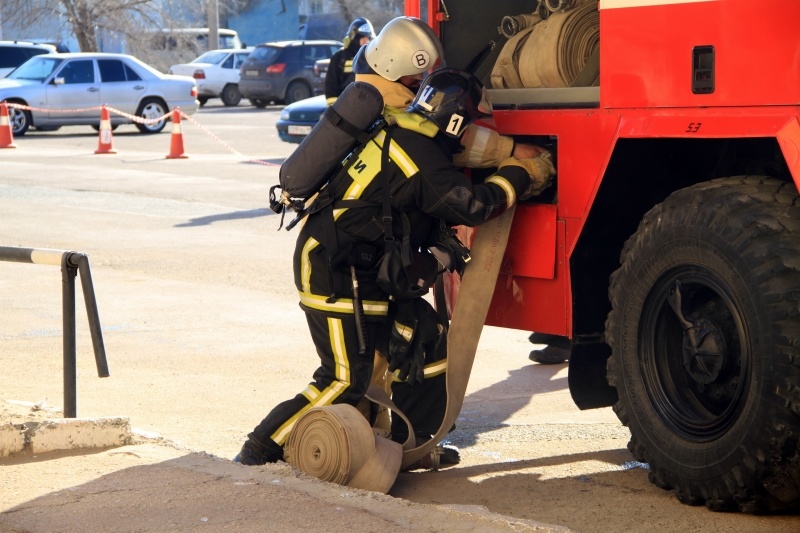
405, 353
415, 333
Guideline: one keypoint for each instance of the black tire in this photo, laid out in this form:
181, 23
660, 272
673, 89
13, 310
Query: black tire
96, 127
715, 418
202, 100
230, 95
296, 91
152, 108
259, 102
20, 120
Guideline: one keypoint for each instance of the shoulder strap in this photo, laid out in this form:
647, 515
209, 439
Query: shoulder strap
387, 220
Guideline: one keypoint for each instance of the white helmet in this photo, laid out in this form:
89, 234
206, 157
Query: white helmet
406, 46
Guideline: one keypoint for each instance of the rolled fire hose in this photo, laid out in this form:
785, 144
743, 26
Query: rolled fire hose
559, 47
335, 443
550, 53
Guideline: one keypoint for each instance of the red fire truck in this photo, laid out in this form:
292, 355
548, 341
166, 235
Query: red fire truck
668, 248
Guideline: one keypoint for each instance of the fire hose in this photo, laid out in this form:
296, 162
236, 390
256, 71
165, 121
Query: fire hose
335, 443
547, 53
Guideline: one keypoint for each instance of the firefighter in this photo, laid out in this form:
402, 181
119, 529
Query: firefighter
407, 170
340, 70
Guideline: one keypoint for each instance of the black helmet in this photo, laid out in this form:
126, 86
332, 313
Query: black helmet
451, 98
359, 26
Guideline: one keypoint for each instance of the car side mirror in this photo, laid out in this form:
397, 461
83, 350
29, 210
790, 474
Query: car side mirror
58, 81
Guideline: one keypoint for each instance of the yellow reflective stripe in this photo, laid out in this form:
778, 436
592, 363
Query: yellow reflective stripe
305, 263
436, 368
511, 194
399, 156
343, 305
311, 393
339, 349
348, 66
326, 398
333, 391
432, 370
352, 193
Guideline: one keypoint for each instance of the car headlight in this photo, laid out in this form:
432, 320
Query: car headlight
285, 115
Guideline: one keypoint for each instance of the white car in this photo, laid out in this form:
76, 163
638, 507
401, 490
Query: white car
69, 90
15, 53
217, 74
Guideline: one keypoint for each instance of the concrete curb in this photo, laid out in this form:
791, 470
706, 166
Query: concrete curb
64, 434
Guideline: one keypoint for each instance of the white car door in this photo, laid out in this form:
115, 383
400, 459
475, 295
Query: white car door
121, 87
74, 93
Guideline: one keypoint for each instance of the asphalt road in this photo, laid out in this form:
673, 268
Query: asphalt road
203, 332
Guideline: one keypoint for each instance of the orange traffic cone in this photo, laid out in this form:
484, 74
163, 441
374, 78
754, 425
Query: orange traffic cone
104, 141
6, 136
176, 142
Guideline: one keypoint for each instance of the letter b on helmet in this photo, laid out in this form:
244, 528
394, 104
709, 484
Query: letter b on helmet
406, 46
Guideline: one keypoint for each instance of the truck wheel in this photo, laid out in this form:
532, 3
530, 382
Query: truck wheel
230, 95
705, 337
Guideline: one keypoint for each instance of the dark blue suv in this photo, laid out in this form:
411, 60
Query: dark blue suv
282, 72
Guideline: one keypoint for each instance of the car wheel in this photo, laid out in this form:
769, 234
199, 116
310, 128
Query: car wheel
152, 109
231, 95
20, 120
202, 100
704, 330
296, 91
259, 102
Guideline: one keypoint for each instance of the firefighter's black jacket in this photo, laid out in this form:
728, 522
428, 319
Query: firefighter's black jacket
340, 70
424, 185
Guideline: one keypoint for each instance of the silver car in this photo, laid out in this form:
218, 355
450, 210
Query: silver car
69, 89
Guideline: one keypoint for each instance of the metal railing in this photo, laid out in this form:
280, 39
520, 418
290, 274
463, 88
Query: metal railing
71, 264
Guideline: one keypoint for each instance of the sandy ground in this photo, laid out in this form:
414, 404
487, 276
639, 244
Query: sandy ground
204, 336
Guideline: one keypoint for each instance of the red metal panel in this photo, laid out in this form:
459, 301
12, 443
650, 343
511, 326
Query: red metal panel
521, 302
531, 250
646, 53
789, 140
585, 141
706, 123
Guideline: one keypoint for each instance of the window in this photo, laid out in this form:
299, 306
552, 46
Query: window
111, 70
131, 74
78, 71
12, 56
228, 63
239, 59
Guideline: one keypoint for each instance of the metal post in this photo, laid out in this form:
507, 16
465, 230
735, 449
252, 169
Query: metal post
68, 274
71, 263
90, 300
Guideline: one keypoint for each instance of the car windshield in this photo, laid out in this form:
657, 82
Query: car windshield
37, 68
211, 57
265, 53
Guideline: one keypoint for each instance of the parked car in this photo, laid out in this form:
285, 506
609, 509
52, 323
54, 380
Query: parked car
69, 89
320, 71
217, 74
15, 53
282, 71
297, 119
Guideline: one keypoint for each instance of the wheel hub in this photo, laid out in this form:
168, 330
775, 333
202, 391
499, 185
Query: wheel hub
703, 352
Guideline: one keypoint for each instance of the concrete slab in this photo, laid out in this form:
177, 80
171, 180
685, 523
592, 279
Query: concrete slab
64, 434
